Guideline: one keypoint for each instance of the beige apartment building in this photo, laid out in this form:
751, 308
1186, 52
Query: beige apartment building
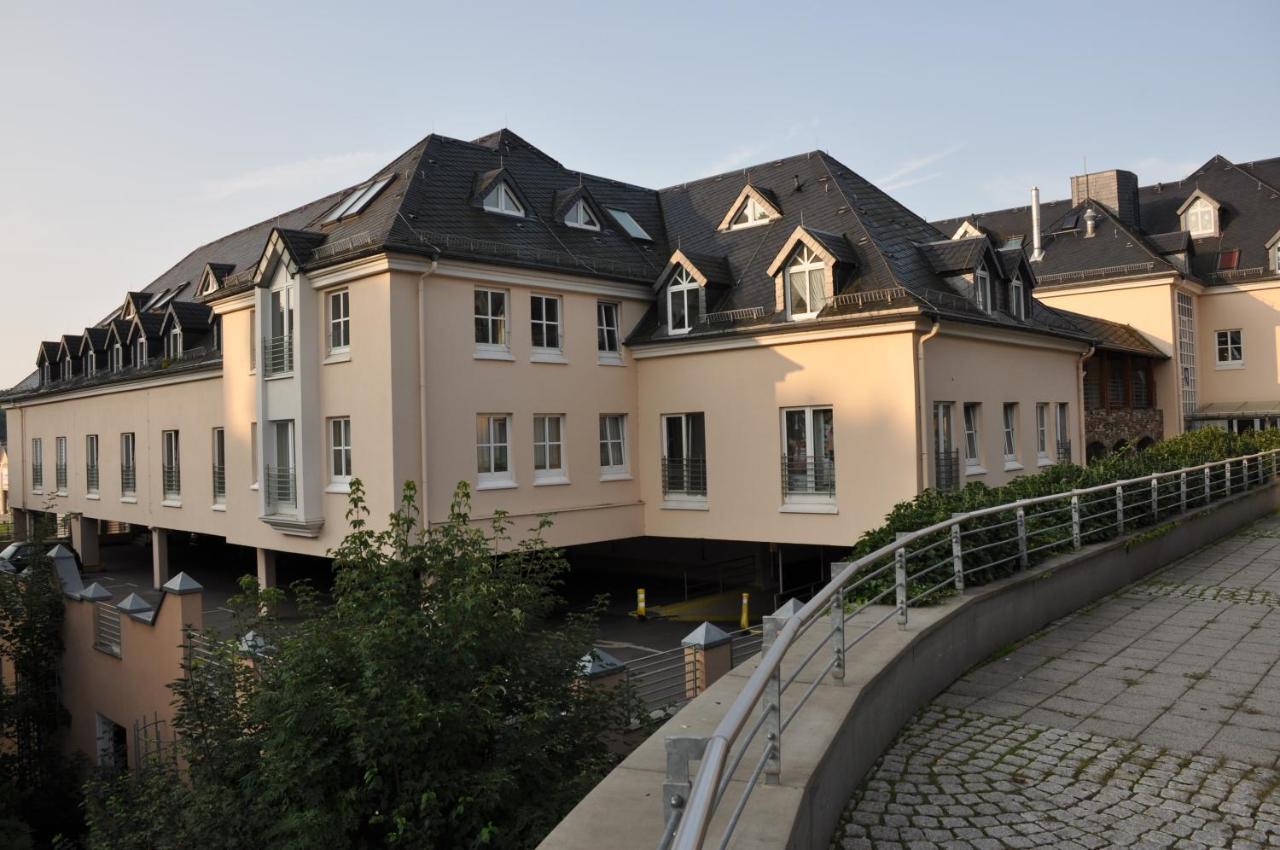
750, 368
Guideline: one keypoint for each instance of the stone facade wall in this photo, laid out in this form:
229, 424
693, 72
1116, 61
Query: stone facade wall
1111, 425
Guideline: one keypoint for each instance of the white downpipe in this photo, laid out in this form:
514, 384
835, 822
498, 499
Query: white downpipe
922, 469
422, 391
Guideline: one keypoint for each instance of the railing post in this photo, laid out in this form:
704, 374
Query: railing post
1022, 537
773, 699
675, 790
1182, 492
1075, 521
1208, 483
957, 554
1155, 497
1244, 473
1119, 509
1226, 477
900, 581
837, 635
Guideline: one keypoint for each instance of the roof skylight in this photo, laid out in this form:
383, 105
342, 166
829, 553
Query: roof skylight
359, 198
629, 224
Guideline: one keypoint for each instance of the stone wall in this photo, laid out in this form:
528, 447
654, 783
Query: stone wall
1109, 426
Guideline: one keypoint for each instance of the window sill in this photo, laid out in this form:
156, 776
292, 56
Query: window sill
36, 492
609, 360
808, 508
1228, 366
340, 487
548, 357
253, 486
340, 356
62, 494
93, 497
222, 509
493, 354
1043, 461
975, 470
129, 500
616, 476
279, 376
496, 485
551, 482
1012, 466
689, 504
171, 503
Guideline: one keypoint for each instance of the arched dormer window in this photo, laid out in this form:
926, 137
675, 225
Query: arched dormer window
1017, 304
580, 215
1201, 218
806, 284
683, 301
140, 351
117, 357
173, 344
502, 200
982, 288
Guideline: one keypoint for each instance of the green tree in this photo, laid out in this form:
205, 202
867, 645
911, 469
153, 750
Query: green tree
437, 701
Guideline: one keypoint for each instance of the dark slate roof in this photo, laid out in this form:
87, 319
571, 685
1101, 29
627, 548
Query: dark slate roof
190, 314
836, 245
1114, 336
97, 338
151, 323
301, 243
950, 256
49, 349
1249, 198
716, 269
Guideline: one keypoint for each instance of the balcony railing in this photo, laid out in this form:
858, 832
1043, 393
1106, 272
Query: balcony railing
808, 476
128, 480
60, 473
947, 469
37, 476
1064, 451
91, 478
685, 476
281, 490
277, 354
219, 484
172, 482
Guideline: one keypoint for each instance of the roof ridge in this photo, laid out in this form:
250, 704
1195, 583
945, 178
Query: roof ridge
743, 170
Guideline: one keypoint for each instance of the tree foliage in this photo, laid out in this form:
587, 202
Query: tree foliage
438, 700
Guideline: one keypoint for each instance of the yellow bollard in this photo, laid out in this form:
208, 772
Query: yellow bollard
743, 622
640, 602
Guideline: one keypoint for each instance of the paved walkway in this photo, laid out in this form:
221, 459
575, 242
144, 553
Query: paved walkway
1151, 719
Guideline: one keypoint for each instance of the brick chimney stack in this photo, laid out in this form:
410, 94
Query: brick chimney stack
1116, 190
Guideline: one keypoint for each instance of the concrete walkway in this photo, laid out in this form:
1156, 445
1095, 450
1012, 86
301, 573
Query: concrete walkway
1151, 719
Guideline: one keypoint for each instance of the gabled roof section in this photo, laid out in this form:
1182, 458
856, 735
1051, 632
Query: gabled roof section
211, 279
48, 352
69, 343
1176, 242
1198, 195
956, 256
118, 331
187, 315
135, 302
767, 201
148, 324
706, 269
831, 247
93, 339
1114, 336
294, 247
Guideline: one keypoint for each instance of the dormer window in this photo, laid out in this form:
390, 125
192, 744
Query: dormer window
140, 351
1200, 219
580, 216
502, 200
752, 213
46, 373
117, 357
1017, 306
982, 288
91, 364
683, 294
66, 370
806, 284
173, 344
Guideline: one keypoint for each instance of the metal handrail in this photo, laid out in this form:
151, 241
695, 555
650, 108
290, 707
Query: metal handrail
1073, 516
277, 354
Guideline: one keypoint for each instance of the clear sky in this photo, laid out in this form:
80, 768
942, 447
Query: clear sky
132, 132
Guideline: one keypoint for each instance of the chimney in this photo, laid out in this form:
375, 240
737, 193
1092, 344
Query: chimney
1090, 222
1037, 252
1115, 190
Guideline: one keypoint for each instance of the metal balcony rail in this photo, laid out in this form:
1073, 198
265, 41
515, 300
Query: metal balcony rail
106, 628
277, 354
684, 476
60, 476
946, 465
281, 491
730, 316
37, 475
1064, 451
808, 476
1238, 274
219, 484
91, 478
128, 480
1101, 271
870, 296
882, 587
172, 482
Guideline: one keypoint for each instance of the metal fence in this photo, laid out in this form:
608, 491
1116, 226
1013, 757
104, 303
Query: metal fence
153, 743
685, 476
172, 482
91, 478
277, 354
106, 629
281, 491
128, 480
918, 568
219, 484
808, 476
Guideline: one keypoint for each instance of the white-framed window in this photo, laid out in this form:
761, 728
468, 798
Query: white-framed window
1187, 351
66, 370
46, 373
982, 288
140, 351
219, 455
173, 343
340, 450
548, 449
117, 357
684, 455
544, 323
339, 320
1017, 306
171, 460
1200, 219
91, 464
37, 464
128, 465
608, 343
1063, 432
1230, 349
254, 466
806, 284
808, 453
1010, 434
580, 215
613, 445
972, 438
502, 200
751, 213
1275, 257
91, 364
60, 464
1042, 430
491, 319
493, 450
683, 302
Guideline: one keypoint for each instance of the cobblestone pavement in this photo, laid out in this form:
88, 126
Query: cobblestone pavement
1151, 719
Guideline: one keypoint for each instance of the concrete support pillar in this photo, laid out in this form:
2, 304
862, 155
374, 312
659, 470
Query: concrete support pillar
266, 568
708, 655
159, 557
21, 524
84, 539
